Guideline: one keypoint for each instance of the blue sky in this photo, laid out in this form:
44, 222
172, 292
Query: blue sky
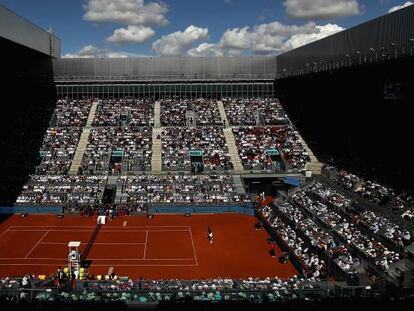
114, 28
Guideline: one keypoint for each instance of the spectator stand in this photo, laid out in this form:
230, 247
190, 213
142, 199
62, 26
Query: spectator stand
296, 261
182, 148
60, 190
333, 269
353, 243
270, 148
352, 214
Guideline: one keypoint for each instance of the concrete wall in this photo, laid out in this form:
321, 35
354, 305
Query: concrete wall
164, 68
24, 32
383, 38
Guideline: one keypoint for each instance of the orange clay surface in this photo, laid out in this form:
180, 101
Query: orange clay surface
163, 247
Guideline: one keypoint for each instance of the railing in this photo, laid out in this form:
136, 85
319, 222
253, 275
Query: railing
152, 78
349, 60
134, 295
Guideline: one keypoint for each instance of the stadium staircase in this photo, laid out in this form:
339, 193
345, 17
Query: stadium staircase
222, 112
157, 113
156, 151
314, 165
83, 141
239, 184
233, 152
119, 196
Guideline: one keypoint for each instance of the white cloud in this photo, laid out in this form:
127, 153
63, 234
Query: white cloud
398, 7
131, 34
177, 43
206, 50
236, 38
272, 38
321, 9
130, 12
300, 39
90, 51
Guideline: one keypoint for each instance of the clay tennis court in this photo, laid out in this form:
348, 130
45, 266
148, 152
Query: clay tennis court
163, 247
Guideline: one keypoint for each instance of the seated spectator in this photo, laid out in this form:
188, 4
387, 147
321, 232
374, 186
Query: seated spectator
180, 189
125, 112
174, 112
57, 150
60, 190
178, 142
254, 111
71, 112
135, 146
253, 143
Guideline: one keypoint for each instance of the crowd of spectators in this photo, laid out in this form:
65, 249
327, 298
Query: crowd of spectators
62, 189
135, 146
320, 238
178, 142
377, 224
72, 112
313, 266
111, 210
180, 189
254, 142
57, 150
383, 227
368, 247
367, 189
254, 111
125, 112
173, 112
111, 288
10, 282
402, 203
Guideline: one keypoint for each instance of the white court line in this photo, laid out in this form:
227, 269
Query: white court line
31, 264
93, 265
103, 243
5, 231
51, 230
38, 242
137, 265
22, 258
102, 259
135, 259
28, 226
105, 231
119, 259
145, 247
93, 227
192, 241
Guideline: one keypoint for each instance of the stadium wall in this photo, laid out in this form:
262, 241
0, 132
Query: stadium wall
28, 99
158, 77
25, 33
158, 90
357, 118
45, 210
383, 38
164, 69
